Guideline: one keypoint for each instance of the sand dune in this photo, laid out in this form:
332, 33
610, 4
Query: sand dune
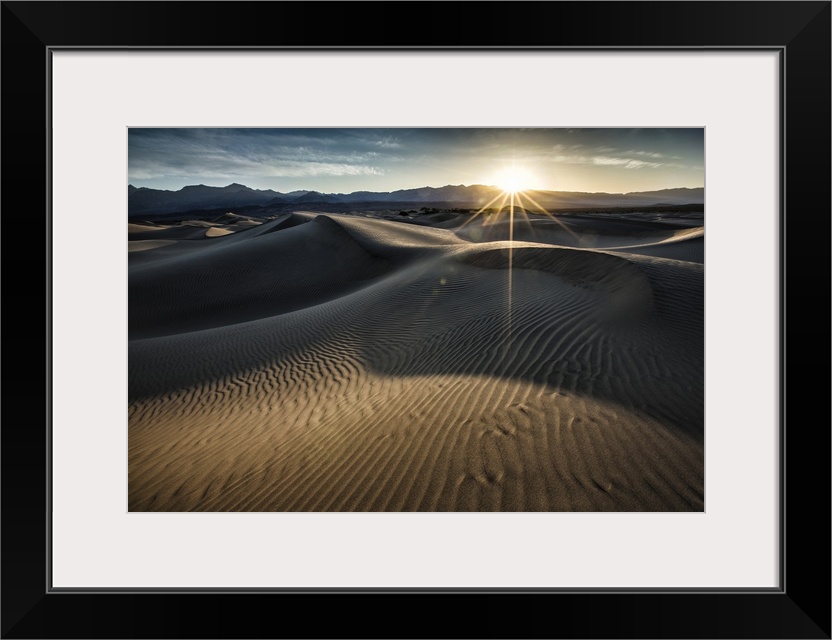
326, 362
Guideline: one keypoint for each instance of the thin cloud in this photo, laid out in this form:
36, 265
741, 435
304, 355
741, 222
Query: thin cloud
311, 169
388, 143
565, 148
608, 156
219, 154
273, 170
649, 154
626, 163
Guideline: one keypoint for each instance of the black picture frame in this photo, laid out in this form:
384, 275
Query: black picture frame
799, 608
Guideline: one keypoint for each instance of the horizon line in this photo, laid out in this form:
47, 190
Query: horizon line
231, 184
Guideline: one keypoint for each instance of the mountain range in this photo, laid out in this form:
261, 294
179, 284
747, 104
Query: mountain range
143, 201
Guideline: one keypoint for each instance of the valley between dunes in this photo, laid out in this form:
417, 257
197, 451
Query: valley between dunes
333, 362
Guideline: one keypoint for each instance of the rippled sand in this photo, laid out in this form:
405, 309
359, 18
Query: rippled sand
329, 362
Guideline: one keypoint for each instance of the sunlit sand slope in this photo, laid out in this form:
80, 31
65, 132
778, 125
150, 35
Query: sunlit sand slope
340, 363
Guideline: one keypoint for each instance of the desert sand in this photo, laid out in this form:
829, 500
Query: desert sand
381, 362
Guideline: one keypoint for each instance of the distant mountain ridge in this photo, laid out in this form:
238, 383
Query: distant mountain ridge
142, 201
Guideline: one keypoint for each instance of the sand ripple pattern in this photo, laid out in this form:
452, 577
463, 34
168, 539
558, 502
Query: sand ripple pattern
433, 378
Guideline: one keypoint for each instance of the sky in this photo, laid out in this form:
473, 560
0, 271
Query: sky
345, 160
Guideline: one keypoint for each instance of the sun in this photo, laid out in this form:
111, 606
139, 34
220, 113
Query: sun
514, 179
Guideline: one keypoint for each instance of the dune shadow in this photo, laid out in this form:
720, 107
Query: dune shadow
306, 298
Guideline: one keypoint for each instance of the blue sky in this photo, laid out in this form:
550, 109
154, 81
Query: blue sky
346, 160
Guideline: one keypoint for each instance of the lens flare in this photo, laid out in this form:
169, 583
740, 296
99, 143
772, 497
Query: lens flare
515, 192
514, 179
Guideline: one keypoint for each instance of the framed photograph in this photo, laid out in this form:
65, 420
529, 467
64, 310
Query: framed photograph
514, 338
501, 311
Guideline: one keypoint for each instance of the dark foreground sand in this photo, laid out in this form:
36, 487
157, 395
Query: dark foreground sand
328, 362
